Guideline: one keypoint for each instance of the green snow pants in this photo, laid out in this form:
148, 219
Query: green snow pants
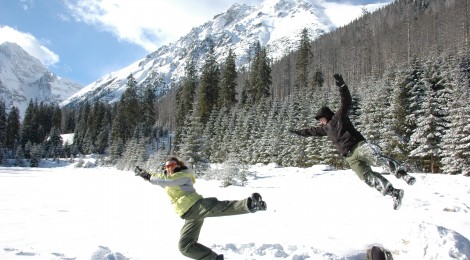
360, 159
207, 207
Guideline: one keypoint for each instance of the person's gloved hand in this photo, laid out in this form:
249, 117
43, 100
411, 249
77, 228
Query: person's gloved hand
142, 173
137, 170
339, 80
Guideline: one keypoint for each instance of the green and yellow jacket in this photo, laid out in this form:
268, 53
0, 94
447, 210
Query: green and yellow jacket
179, 188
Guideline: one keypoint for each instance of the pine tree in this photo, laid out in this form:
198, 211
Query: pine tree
213, 131
244, 96
185, 98
228, 141
101, 142
130, 101
233, 172
209, 88
149, 112
408, 97
30, 125
135, 152
296, 115
54, 143
260, 75
56, 118
392, 139
193, 144
456, 141
81, 128
258, 139
242, 134
228, 94
118, 135
316, 82
431, 119
3, 129
19, 157
286, 122
373, 113
267, 145
36, 153
13, 128
302, 64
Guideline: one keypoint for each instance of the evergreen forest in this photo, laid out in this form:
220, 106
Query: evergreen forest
407, 66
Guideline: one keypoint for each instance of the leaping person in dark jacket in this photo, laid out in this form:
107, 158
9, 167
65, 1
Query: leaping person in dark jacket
353, 146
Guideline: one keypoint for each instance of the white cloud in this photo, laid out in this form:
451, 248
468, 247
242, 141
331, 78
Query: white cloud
30, 44
342, 14
149, 24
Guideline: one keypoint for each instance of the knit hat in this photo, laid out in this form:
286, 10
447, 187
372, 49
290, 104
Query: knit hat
324, 112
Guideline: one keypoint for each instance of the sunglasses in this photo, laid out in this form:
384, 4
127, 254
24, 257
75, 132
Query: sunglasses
170, 165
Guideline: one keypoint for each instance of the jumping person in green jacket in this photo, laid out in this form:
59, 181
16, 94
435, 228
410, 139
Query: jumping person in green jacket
178, 182
353, 146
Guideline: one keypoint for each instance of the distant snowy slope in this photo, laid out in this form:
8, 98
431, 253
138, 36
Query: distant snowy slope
276, 24
23, 77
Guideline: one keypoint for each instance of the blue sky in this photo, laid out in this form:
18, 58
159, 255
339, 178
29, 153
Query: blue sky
82, 40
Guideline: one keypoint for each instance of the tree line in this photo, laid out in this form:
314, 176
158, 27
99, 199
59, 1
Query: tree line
409, 80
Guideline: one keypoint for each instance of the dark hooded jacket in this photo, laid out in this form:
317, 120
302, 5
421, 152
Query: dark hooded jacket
339, 128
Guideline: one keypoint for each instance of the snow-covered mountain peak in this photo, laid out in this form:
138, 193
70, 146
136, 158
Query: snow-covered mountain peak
275, 24
23, 77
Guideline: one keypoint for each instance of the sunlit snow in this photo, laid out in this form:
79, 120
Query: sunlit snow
103, 213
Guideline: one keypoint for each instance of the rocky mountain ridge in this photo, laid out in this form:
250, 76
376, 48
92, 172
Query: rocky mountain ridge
24, 78
275, 24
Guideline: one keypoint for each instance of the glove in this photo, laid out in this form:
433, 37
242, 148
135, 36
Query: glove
339, 80
142, 173
137, 170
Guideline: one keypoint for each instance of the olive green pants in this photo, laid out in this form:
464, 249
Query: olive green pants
360, 159
207, 207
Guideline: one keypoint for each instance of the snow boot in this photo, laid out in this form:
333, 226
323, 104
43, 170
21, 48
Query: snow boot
402, 174
397, 196
220, 257
379, 253
256, 203
410, 180
377, 181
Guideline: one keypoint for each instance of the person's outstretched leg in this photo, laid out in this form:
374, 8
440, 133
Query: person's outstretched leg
372, 154
378, 182
212, 207
374, 179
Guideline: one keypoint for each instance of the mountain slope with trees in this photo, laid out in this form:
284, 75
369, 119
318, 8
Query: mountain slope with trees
407, 65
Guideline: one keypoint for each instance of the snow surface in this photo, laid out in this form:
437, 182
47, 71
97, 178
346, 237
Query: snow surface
314, 213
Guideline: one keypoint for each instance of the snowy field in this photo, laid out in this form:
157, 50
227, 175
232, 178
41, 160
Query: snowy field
102, 213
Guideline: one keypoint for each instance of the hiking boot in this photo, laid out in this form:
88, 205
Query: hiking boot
397, 196
220, 257
256, 203
379, 253
400, 173
410, 180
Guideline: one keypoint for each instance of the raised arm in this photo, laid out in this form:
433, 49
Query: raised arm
345, 95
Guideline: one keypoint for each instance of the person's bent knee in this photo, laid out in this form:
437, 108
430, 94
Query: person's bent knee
184, 247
